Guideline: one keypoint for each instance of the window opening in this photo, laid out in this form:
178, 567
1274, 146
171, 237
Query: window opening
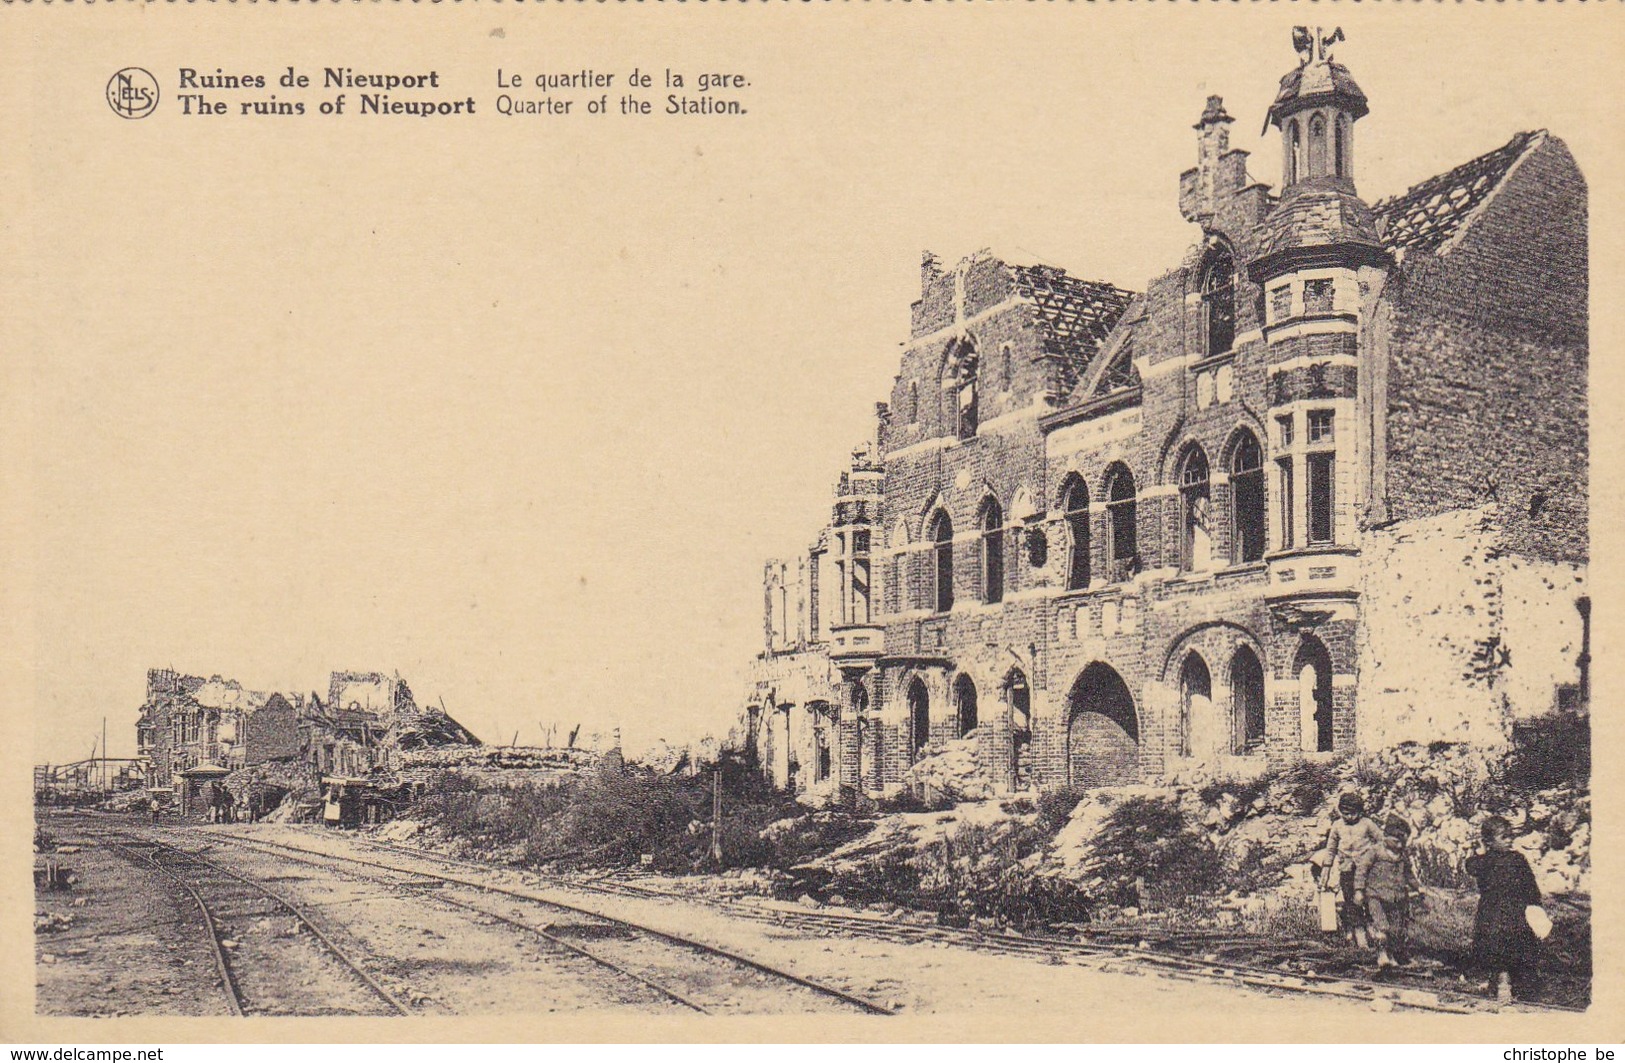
1321, 469
992, 553
942, 553
1196, 515
1247, 499
1077, 522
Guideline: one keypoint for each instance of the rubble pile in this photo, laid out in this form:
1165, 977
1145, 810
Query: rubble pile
1265, 829
1226, 844
52, 922
950, 770
495, 766
129, 801
419, 729
464, 756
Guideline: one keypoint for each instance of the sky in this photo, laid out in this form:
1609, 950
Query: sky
517, 407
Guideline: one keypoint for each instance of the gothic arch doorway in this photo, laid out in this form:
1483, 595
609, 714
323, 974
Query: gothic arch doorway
1102, 731
919, 716
1196, 737
1313, 668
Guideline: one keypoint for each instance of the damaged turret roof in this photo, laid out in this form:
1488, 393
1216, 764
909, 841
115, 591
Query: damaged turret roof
1434, 211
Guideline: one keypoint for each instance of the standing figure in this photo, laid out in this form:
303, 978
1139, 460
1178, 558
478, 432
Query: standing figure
1503, 943
1351, 835
1385, 884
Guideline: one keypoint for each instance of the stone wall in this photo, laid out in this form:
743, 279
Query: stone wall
1461, 636
1487, 366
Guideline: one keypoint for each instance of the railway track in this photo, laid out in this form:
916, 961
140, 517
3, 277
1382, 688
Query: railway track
232, 908
1402, 991
717, 979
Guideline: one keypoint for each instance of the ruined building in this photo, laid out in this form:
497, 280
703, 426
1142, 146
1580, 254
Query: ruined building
1321, 487
205, 738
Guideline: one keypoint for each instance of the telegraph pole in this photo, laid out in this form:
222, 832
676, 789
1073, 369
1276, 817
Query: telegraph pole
716, 817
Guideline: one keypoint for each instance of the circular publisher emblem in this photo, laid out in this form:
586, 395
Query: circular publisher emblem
132, 93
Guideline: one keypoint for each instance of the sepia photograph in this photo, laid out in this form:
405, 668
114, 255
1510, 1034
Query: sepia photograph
917, 522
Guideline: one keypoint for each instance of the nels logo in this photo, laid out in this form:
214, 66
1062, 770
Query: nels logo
132, 93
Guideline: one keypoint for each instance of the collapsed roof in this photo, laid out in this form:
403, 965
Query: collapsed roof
1431, 213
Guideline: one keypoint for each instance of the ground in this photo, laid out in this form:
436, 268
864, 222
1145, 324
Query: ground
445, 962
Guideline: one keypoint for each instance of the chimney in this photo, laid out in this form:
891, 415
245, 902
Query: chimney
1199, 188
930, 270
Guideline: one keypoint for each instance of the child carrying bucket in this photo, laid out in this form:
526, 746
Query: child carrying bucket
1352, 833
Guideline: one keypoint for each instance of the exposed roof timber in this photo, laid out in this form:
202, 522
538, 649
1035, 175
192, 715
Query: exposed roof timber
1430, 213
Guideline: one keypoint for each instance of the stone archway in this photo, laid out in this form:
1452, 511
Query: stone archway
1102, 731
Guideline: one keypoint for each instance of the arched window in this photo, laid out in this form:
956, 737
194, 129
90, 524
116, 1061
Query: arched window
1340, 150
1122, 521
1075, 502
1317, 146
1196, 518
1247, 695
1219, 301
965, 704
968, 416
942, 556
1247, 499
1006, 369
913, 402
1195, 704
1294, 145
992, 527
919, 715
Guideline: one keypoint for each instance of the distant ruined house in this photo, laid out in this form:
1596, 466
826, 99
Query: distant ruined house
203, 738
1321, 487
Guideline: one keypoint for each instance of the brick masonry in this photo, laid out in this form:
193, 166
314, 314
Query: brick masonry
1441, 385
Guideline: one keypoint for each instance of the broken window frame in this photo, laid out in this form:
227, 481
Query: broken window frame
1288, 525
942, 558
1075, 504
1249, 507
1321, 474
1218, 286
1122, 524
1195, 503
992, 551
1319, 295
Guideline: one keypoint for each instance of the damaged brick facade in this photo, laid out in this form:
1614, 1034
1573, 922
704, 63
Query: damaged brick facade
1321, 487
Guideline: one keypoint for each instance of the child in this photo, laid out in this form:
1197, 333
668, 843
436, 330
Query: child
1384, 884
1352, 833
1503, 943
